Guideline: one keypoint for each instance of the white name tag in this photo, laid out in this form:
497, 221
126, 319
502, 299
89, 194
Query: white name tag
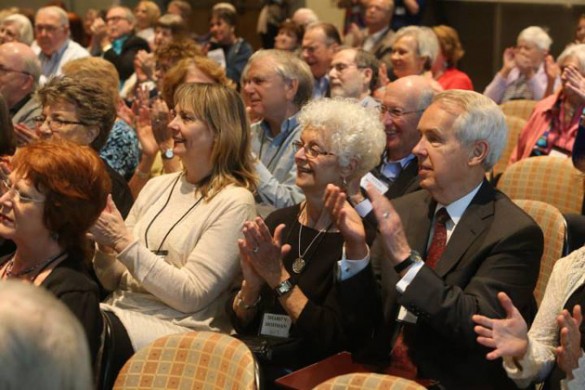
277, 325
218, 56
374, 181
406, 316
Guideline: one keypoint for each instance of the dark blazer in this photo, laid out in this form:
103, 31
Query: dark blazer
124, 62
406, 182
495, 247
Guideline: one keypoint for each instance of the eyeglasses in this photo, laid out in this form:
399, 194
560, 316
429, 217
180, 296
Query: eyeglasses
340, 67
115, 19
4, 70
54, 124
7, 187
396, 112
311, 151
47, 28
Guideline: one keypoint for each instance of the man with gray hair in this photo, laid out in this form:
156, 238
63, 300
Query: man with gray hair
320, 42
474, 240
523, 74
42, 344
402, 107
122, 44
20, 71
276, 84
354, 74
52, 44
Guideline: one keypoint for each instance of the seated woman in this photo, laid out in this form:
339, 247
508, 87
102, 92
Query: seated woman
553, 348
146, 14
232, 51
55, 192
81, 110
294, 277
445, 67
414, 51
552, 127
523, 74
170, 265
289, 37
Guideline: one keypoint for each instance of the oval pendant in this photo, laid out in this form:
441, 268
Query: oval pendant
298, 265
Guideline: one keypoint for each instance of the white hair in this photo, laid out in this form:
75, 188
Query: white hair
42, 344
427, 44
478, 118
305, 16
57, 11
349, 130
25, 29
537, 36
576, 51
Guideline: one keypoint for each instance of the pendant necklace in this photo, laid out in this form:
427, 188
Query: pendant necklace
300, 262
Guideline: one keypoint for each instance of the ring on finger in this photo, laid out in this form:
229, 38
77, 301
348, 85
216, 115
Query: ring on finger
255, 250
386, 214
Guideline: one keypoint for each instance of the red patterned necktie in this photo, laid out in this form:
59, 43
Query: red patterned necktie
439, 241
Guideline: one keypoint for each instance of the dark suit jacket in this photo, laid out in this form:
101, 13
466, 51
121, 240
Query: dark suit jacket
124, 62
406, 182
495, 247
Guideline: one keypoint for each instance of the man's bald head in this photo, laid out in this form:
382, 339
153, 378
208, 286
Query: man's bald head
20, 71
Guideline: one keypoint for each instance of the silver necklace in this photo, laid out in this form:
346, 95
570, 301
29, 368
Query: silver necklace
300, 263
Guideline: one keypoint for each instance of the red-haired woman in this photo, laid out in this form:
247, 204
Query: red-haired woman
55, 192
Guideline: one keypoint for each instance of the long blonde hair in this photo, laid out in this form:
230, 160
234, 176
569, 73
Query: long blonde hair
223, 111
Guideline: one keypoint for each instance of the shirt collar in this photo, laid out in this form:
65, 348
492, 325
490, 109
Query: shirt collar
403, 162
58, 53
288, 125
458, 207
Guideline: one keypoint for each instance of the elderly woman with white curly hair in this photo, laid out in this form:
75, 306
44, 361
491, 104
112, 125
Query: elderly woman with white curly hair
527, 69
306, 274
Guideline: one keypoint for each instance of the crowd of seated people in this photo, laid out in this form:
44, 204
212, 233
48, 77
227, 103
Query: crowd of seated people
325, 194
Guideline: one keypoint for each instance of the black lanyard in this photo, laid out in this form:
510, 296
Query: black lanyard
158, 251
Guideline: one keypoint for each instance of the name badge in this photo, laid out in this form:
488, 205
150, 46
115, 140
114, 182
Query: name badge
374, 181
218, 56
558, 152
406, 316
277, 325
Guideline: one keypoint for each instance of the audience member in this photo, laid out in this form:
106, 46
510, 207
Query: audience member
303, 17
42, 344
120, 24
16, 28
481, 244
83, 111
121, 150
289, 37
354, 74
163, 280
146, 14
52, 44
445, 66
580, 30
55, 192
169, 27
414, 51
272, 14
7, 136
552, 127
402, 107
302, 276
377, 37
523, 74
19, 77
407, 13
181, 8
552, 351
225, 47
276, 84
320, 42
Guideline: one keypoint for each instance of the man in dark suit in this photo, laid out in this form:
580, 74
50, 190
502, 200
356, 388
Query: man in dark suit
481, 245
120, 24
404, 102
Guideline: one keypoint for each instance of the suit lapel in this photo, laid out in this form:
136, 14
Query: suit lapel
474, 221
404, 181
419, 224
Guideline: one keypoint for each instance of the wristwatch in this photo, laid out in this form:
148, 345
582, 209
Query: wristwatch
414, 257
167, 154
284, 287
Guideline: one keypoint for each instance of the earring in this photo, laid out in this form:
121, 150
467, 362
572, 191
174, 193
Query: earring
343, 183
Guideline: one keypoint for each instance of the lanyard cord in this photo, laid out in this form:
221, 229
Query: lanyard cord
161, 210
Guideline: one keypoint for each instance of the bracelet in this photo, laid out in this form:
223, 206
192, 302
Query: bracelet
142, 175
240, 302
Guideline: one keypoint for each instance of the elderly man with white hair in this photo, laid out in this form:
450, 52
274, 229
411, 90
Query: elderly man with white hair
523, 74
449, 249
16, 28
52, 44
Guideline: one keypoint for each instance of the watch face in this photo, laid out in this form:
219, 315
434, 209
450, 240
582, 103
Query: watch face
168, 153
